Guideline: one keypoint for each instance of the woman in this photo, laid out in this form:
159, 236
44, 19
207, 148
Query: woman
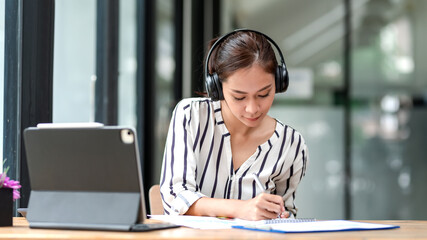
218, 146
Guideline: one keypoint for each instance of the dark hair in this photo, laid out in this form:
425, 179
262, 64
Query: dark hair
241, 50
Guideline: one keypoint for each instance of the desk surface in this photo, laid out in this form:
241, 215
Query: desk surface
407, 230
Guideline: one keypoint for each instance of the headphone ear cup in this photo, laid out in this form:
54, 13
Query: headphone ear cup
209, 86
218, 83
214, 87
282, 79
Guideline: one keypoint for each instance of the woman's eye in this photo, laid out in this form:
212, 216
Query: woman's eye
264, 96
239, 99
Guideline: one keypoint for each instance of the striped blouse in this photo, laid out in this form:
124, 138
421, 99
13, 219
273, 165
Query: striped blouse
198, 162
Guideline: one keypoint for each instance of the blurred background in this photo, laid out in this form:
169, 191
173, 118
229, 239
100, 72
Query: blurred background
358, 85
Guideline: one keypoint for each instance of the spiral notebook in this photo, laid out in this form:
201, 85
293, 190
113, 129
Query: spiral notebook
301, 226
286, 220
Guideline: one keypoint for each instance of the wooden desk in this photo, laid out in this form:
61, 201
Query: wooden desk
407, 230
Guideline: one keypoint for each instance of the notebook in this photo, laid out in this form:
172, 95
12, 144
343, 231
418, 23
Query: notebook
85, 178
296, 226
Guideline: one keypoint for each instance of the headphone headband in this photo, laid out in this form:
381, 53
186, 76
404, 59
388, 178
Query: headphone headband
213, 83
221, 39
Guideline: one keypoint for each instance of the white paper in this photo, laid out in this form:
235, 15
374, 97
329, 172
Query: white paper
197, 222
304, 226
209, 222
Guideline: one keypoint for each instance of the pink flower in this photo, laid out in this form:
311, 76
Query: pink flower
6, 182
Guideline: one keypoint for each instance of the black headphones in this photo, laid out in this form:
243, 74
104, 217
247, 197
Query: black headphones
213, 83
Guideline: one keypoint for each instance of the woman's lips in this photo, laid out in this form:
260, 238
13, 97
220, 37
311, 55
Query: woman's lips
253, 119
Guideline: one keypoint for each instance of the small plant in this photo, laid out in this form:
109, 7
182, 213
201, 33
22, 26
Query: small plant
6, 182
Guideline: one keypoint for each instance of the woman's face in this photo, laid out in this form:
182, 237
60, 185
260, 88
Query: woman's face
249, 93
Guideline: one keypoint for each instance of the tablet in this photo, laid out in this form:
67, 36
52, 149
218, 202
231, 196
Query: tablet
84, 178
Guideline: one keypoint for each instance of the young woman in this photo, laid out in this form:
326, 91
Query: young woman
218, 147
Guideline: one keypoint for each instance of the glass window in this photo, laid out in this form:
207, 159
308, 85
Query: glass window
165, 67
74, 61
389, 85
164, 70
127, 63
2, 30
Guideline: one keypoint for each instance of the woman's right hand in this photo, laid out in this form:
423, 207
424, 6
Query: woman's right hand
263, 206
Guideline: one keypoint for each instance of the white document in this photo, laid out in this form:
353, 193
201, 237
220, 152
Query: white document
198, 222
275, 225
215, 222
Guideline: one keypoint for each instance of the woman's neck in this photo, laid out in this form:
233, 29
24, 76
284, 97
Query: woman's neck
234, 125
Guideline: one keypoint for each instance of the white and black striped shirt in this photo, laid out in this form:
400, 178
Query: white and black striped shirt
198, 162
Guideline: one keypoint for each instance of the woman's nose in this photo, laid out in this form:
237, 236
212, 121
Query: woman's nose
252, 107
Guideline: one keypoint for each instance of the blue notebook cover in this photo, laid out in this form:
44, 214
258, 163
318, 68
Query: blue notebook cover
316, 226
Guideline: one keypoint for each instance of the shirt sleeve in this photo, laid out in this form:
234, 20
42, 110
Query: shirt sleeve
297, 156
178, 185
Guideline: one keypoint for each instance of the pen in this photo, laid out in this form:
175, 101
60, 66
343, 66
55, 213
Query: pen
258, 182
